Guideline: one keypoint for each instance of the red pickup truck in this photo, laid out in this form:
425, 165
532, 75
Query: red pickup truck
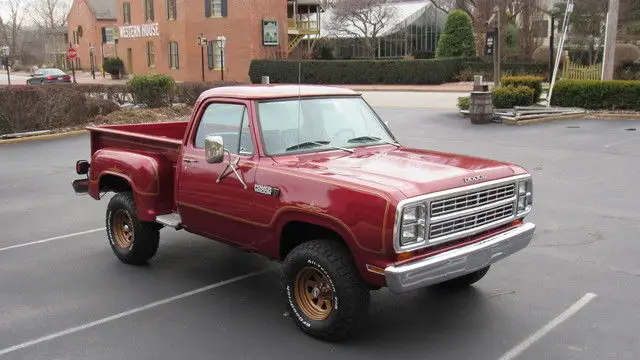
309, 176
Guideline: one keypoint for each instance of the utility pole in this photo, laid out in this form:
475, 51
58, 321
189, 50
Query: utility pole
608, 62
497, 57
552, 40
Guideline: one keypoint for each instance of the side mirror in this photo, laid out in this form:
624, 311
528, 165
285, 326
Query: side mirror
214, 149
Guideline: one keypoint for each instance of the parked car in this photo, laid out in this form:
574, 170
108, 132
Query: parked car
49, 76
309, 176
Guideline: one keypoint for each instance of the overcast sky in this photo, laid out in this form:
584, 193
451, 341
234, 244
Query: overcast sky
4, 9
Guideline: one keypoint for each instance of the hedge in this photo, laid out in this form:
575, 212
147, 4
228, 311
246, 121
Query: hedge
423, 71
597, 95
419, 71
506, 97
153, 90
31, 108
45, 107
533, 82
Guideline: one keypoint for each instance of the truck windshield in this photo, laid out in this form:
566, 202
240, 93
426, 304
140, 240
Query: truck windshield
292, 125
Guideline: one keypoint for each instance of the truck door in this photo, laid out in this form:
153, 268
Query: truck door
221, 210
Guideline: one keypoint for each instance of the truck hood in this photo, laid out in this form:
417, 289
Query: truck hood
413, 172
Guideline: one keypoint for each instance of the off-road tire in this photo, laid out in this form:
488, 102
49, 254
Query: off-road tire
466, 280
144, 236
349, 295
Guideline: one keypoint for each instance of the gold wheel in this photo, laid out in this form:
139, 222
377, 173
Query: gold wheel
314, 294
122, 229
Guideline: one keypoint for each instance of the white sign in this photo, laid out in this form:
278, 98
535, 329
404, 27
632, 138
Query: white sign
139, 31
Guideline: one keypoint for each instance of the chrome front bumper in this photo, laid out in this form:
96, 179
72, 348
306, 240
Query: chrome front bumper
458, 262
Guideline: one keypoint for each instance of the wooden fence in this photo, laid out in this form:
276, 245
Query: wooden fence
573, 71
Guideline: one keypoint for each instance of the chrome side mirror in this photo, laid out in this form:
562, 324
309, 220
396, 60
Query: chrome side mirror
214, 149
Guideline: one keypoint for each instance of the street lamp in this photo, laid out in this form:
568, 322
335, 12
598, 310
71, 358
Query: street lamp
92, 51
202, 42
6, 51
222, 42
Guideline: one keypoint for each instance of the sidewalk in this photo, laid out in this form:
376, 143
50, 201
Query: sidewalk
460, 87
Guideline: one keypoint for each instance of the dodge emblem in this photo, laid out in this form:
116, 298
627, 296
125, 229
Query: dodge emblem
474, 178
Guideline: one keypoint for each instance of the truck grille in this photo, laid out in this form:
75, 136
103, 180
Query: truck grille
467, 222
471, 200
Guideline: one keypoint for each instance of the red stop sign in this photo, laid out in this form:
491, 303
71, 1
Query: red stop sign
72, 53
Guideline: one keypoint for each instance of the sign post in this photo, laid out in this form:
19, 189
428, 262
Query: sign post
202, 42
71, 55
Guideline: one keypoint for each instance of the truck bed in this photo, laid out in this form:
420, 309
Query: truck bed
164, 138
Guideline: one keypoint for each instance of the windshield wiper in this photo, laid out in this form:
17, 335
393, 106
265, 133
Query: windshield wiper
366, 139
311, 144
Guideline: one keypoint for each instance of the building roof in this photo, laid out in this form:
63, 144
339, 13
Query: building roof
260, 91
405, 12
104, 9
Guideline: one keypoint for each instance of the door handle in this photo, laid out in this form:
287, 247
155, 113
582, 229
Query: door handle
190, 161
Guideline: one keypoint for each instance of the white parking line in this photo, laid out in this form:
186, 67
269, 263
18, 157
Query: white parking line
516, 351
50, 239
127, 313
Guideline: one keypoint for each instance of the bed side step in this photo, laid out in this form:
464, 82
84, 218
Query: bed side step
173, 220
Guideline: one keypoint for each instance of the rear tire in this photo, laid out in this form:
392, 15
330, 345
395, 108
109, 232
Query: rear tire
466, 280
134, 242
325, 294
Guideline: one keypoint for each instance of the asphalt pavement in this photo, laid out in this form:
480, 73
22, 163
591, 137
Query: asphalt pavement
572, 295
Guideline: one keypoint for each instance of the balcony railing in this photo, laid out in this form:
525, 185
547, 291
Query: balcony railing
304, 27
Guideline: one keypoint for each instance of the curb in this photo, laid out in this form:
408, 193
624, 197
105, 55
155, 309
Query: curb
43, 137
573, 116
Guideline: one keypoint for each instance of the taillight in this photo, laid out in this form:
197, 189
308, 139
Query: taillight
67, 77
82, 167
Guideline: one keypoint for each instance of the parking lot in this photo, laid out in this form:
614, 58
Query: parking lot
572, 295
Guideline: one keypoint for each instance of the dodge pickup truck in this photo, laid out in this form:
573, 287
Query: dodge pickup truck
313, 178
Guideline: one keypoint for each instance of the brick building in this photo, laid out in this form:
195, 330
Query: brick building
86, 20
161, 36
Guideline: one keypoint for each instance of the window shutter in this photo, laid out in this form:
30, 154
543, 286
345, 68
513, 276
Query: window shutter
207, 8
210, 54
223, 8
174, 6
177, 56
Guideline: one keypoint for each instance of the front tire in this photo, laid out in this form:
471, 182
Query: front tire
134, 242
325, 295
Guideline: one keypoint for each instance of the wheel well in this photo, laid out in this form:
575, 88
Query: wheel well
114, 183
296, 233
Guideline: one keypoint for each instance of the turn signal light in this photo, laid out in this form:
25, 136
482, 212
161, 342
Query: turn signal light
404, 256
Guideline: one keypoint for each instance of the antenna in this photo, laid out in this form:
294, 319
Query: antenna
299, 97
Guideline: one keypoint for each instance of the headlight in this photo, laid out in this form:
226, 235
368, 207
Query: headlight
413, 225
525, 196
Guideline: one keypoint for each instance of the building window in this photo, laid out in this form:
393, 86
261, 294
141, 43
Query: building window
215, 8
126, 13
148, 10
151, 56
174, 57
172, 10
214, 55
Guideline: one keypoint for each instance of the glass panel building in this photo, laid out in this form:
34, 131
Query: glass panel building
413, 31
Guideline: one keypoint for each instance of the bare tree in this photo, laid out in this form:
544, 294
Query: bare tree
364, 20
13, 24
50, 14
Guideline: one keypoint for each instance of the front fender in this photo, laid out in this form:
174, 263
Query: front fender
149, 176
361, 250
